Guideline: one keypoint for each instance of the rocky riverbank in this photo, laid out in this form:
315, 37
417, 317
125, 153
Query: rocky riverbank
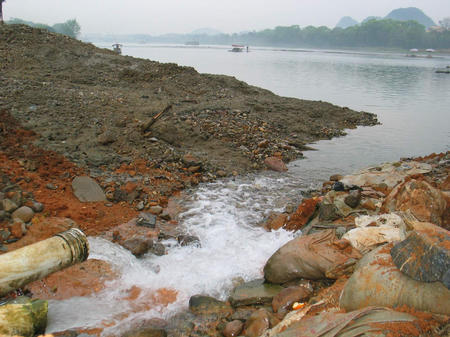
373, 256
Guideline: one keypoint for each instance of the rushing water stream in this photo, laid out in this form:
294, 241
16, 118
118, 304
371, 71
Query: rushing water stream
411, 101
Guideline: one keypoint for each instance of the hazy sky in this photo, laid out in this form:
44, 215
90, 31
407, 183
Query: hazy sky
182, 16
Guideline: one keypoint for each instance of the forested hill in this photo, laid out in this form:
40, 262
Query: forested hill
411, 13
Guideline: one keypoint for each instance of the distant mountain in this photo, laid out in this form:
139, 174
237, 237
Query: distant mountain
371, 18
411, 13
206, 31
346, 22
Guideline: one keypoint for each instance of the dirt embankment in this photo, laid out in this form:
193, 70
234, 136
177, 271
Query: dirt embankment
92, 106
68, 108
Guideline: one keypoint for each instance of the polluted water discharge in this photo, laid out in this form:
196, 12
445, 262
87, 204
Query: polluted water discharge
224, 216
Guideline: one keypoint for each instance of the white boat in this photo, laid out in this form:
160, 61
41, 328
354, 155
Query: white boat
237, 48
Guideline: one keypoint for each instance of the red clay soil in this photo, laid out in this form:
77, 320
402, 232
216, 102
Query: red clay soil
33, 169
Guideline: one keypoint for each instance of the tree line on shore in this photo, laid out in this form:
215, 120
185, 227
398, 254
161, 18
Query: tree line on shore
70, 27
373, 33
385, 33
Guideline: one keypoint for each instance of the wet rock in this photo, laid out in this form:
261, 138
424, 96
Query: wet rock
257, 323
23, 213
424, 255
304, 213
254, 292
188, 240
424, 201
158, 249
82, 279
205, 305
369, 205
275, 221
138, 246
353, 199
156, 210
148, 328
233, 328
284, 299
312, 257
165, 215
9, 205
275, 164
86, 189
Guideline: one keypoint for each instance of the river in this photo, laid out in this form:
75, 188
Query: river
412, 103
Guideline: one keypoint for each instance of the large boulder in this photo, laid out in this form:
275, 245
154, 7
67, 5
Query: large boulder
425, 254
377, 281
313, 257
424, 201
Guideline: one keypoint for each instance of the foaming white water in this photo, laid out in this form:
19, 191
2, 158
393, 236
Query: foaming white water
223, 216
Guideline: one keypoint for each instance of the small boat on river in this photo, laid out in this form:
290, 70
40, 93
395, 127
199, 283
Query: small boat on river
238, 48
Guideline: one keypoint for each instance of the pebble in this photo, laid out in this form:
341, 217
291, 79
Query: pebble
51, 187
37, 207
158, 249
336, 177
338, 186
140, 206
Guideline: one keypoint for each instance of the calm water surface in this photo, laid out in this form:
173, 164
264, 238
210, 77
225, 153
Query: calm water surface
411, 101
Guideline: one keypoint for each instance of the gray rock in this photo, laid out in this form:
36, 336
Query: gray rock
23, 213
146, 220
254, 292
188, 240
9, 205
424, 255
353, 198
51, 186
328, 212
86, 189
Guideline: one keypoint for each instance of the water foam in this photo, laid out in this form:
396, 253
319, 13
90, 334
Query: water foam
223, 216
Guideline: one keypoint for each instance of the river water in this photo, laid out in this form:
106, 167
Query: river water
412, 103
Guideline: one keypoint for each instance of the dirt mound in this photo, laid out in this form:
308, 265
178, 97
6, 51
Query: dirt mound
92, 106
